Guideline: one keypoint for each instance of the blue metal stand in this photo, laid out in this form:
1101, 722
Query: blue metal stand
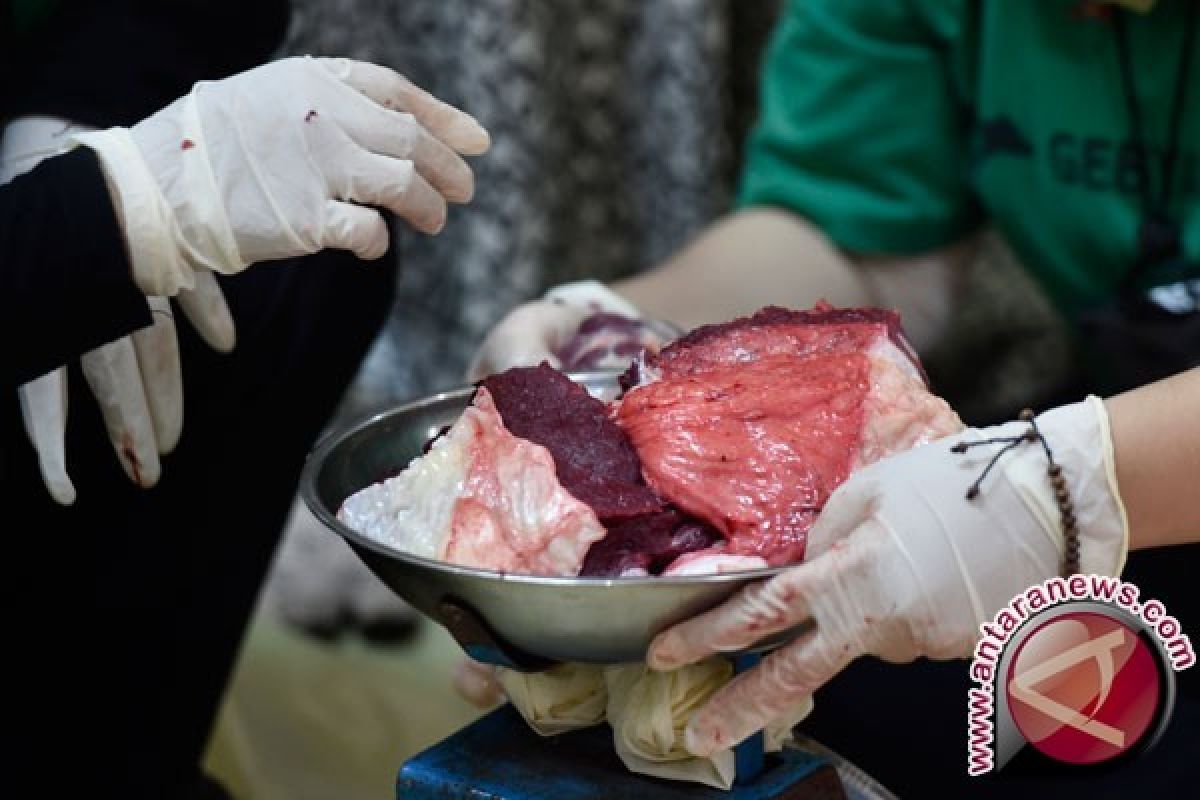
749, 756
500, 758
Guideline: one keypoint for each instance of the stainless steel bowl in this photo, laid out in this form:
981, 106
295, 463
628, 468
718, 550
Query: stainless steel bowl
525, 621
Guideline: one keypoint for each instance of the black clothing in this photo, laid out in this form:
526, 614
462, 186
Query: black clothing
130, 605
65, 285
113, 62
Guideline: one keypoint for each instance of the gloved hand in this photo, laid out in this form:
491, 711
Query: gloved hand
136, 380
541, 331
281, 161
901, 564
478, 683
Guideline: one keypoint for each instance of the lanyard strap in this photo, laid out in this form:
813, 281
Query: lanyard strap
1151, 205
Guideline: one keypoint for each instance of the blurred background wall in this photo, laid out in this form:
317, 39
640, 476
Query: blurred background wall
616, 128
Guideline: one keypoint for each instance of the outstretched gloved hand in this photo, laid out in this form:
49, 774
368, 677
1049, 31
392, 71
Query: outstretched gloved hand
280, 161
901, 564
549, 329
136, 380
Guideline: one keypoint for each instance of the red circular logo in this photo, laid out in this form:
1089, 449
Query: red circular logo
1083, 688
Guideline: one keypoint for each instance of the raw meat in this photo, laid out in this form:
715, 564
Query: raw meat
594, 458
646, 544
480, 497
783, 331
596, 462
718, 458
751, 425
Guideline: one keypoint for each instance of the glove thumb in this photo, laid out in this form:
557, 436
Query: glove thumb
351, 227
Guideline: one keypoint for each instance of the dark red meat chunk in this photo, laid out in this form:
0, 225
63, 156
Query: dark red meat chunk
593, 457
649, 542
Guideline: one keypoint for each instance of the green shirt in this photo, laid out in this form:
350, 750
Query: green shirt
898, 127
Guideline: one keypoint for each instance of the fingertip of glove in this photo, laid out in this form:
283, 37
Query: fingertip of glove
662, 655
62, 492
696, 742
225, 341
470, 138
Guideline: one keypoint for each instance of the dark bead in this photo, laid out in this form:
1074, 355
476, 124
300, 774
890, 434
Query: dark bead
1061, 494
1069, 521
961, 447
1031, 436
1026, 415
973, 492
1055, 470
1058, 482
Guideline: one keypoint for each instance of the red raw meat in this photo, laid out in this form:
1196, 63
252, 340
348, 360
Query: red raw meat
647, 543
594, 458
480, 497
751, 425
775, 330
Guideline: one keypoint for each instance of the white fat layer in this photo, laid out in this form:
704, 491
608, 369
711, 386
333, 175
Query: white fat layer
413, 511
715, 564
884, 348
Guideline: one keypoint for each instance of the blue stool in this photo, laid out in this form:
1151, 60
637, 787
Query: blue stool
500, 758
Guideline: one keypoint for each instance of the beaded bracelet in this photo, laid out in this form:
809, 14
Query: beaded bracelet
1062, 496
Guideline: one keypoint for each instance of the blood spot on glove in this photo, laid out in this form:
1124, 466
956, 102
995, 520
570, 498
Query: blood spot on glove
186, 144
131, 457
311, 115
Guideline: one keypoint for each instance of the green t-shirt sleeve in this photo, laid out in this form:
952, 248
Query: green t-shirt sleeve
862, 127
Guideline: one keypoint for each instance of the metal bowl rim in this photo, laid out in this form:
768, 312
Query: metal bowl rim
328, 443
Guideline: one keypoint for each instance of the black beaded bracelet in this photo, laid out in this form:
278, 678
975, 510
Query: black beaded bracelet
1062, 495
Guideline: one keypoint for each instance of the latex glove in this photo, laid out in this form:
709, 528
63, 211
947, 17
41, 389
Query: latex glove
901, 565
564, 698
540, 330
282, 161
136, 380
478, 683
648, 712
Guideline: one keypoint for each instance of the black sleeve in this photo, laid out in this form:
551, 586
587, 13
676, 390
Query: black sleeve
65, 281
117, 61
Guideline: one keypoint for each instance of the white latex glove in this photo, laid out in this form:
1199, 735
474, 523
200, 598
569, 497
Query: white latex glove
136, 380
281, 161
901, 565
564, 698
534, 332
478, 683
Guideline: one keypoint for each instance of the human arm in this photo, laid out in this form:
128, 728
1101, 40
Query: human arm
183, 195
762, 256
902, 564
1156, 439
742, 262
65, 285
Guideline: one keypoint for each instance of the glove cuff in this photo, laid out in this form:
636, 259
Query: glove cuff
143, 212
1081, 441
592, 296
